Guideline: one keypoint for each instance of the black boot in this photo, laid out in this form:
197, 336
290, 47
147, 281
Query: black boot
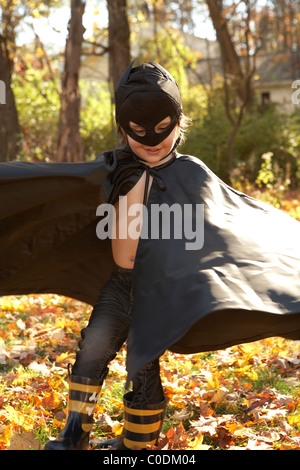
144, 410
142, 426
83, 396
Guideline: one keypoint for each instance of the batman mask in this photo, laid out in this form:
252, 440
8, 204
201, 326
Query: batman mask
146, 95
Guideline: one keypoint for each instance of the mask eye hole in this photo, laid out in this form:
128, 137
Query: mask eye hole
163, 125
138, 130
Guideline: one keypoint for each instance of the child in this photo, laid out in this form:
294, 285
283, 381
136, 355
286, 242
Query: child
110, 319
226, 271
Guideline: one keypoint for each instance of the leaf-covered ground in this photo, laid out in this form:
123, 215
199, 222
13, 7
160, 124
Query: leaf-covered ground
244, 397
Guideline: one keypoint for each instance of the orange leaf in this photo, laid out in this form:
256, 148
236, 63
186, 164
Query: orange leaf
118, 429
170, 433
206, 410
56, 423
225, 438
51, 400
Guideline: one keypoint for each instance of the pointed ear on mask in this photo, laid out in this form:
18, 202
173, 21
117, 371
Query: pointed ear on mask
125, 75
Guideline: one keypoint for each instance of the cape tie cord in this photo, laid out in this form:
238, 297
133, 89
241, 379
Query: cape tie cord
130, 165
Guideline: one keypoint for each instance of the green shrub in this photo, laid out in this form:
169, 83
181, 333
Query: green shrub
38, 105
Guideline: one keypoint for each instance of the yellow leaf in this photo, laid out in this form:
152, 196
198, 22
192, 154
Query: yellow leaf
118, 429
39, 51
56, 382
213, 381
36, 13
62, 356
6, 433
252, 375
294, 420
197, 442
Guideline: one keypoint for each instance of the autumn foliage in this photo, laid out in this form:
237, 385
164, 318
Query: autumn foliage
245, 397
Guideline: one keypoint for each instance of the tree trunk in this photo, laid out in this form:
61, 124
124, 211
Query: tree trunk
69, 148
119, 39
231, 62
9, 123
239, 79
119, 47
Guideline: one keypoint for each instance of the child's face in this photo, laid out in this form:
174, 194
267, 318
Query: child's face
153, 155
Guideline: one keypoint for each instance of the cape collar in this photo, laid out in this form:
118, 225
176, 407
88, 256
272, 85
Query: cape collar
130, 163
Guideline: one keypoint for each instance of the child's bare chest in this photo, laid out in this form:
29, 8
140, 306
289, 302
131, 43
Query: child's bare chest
128, 224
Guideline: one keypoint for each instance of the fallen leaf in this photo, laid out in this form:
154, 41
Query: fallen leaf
214, 394
294, 420
255, 444
52, 400
182, 414
219, 396
225, 438
197, 443
24, 441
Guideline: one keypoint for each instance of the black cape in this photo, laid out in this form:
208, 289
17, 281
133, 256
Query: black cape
240, 284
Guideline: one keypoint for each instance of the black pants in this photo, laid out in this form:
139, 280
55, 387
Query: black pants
107, 331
